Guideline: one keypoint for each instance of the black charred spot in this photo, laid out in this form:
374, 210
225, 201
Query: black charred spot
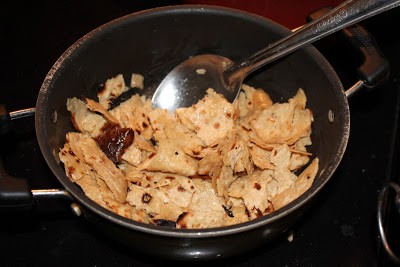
228, 211
71, 152
170, 177
214, 145
181, 189
203, 177
257, 186
270, 208
180, 220
258, 211
165, 223
144, 125
176, 153
247, 212
245, 129
192, 187
153, 142
146, 198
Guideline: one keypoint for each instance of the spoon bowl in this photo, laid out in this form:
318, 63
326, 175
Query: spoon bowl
183, 86
187, 83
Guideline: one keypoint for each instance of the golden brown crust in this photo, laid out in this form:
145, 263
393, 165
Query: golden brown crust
210, 165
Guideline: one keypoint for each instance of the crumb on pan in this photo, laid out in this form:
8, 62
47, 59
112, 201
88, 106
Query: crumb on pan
201, 71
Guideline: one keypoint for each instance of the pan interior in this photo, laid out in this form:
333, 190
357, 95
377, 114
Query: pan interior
152, 43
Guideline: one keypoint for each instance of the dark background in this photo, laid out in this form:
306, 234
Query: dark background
339, 229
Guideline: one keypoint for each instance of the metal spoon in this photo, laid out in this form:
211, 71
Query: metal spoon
187, 83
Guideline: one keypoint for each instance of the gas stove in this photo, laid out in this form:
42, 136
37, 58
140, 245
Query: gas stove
340, 229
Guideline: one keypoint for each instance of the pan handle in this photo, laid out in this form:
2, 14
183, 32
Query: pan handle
14, 191
6, 117
16, 195
375, 68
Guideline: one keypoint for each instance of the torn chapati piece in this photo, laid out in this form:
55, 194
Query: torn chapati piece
213, 164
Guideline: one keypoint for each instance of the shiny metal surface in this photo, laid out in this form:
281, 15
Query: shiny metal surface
65, 80
354, 89
50, 194
382, 196
189, 81
22, 113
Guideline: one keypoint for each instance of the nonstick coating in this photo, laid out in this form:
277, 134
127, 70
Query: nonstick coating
153, 42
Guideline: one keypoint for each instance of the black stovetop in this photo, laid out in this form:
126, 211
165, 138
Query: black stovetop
338, 230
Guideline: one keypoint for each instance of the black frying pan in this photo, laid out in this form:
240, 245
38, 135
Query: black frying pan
153, 42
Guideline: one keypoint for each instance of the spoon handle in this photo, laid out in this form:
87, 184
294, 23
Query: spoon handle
346, 14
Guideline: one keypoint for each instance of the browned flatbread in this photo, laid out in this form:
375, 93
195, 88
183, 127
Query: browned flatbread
96, 107
101, 165
303, 182
210, 165
211, 118
170, 157
283, 123
83, 119
113, 88
251, 100
133, 113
